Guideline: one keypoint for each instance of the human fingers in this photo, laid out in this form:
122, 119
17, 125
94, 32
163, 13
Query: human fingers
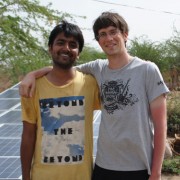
24, 90
32, 89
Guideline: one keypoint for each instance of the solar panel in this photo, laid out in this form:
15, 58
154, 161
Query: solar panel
9, 147
8, 103
10, 131
10, 134
11, 117
97, 120
11, 93
10, 168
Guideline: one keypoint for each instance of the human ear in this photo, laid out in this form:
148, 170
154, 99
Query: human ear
50, 49
125, 36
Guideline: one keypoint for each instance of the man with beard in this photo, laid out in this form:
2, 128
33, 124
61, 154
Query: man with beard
57, 120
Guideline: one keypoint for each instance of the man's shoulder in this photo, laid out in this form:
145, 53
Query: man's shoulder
40, 79
87, 77
97, 62
143, 62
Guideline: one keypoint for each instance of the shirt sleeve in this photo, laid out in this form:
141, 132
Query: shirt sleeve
90, 68
155, 85
29, 113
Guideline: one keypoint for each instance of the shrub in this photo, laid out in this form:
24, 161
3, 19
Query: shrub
171, 165
173, 113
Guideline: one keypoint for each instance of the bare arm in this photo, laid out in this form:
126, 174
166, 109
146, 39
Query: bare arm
159, 116
27, 148
27, 85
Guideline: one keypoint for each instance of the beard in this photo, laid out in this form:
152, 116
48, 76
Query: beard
67, 65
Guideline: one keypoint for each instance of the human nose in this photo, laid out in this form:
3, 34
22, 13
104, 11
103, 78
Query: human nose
66, 46
109, 35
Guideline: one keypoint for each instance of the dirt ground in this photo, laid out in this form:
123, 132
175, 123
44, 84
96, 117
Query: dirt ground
170, 177
4, 83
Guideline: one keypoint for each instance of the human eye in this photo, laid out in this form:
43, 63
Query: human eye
113, 32
60, 43
73, 45
102, 35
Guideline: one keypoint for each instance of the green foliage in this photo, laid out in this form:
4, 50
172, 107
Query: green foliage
171, 165
172, 51
89, 54
148, 50
24, 28
173, 113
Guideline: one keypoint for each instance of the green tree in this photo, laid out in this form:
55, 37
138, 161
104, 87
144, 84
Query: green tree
148, 50
90, 54
24, 28
172, 50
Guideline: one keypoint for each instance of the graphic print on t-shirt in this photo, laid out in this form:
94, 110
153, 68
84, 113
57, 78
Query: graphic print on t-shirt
62, 130
116, 95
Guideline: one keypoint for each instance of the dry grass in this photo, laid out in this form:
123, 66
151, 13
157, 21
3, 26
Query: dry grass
5, 82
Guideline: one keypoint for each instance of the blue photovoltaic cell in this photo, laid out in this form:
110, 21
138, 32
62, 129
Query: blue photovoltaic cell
11, 93
11, 117
96, 122
11, 130
6, 104
9, 147
10, 168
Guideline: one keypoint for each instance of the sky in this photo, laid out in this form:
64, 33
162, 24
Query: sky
154, 19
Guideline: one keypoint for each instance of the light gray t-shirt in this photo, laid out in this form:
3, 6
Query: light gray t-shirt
125, 141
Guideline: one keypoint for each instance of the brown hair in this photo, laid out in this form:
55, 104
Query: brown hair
107, 19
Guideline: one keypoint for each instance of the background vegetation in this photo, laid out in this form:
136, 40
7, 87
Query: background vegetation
24, 30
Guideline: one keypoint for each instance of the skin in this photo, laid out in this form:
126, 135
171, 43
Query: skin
114, 48
64, 52
27, 148
158, 113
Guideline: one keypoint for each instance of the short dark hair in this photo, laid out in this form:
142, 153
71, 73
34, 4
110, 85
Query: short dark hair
69, 30
107, 19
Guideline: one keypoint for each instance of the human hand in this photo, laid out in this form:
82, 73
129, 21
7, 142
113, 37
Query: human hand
153, 177
27, 85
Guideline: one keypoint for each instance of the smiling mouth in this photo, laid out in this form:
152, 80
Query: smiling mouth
110, 45
64, 55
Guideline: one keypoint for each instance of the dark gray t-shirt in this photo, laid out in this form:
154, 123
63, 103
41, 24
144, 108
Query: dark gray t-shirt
125, 140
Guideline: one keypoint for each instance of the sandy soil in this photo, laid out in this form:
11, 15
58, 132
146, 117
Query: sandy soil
170, 177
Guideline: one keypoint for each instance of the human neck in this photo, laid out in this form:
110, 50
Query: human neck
117, 62
60, 77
